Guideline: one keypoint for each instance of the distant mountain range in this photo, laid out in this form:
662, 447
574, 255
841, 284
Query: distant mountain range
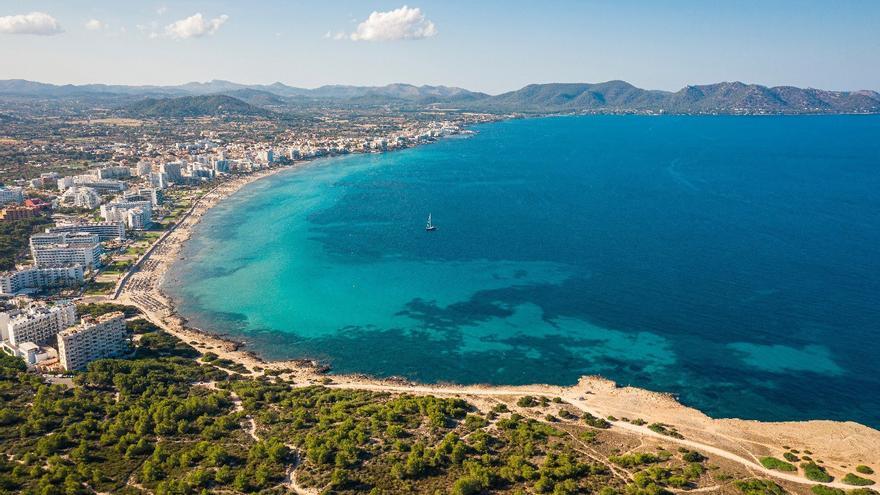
194, 98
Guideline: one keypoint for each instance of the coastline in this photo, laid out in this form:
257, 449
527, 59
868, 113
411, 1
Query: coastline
839, 444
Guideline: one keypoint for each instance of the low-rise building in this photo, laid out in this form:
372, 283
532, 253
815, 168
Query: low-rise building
94, 338
16, 212
18, 281
38, 323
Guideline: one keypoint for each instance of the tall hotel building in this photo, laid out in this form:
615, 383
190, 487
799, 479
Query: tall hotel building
94, 338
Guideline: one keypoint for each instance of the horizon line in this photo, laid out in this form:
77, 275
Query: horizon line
172, 85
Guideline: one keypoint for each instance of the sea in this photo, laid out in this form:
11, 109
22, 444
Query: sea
733, 261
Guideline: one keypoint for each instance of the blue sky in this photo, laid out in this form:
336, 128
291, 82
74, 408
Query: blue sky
490, 46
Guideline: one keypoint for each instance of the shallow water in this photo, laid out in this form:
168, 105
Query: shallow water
733, 261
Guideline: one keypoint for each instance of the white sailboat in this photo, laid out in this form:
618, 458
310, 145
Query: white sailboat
430, 226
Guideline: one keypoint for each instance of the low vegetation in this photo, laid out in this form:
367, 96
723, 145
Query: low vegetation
664, 429
14, 237
776, 464
826, 490
861, 468
856, 480
759, 487
815, 472
98, 309
596, 422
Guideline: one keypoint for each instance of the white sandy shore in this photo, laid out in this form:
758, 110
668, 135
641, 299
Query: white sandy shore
841, 445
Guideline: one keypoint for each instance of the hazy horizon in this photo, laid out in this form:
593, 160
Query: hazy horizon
208, 81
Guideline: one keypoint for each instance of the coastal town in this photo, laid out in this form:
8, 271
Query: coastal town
107, 233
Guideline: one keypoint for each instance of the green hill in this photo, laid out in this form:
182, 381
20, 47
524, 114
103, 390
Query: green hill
194, 106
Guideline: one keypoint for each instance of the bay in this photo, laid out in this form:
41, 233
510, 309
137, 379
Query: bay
732, 261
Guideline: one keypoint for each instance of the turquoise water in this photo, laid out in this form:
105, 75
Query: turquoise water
733, 261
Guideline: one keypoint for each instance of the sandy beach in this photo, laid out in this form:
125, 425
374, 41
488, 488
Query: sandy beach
840, 445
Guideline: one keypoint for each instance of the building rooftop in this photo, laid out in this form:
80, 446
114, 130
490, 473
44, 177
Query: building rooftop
89, 321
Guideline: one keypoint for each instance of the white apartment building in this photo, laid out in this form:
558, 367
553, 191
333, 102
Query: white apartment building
38, 323
62, 248
159, 180
18, 281
172, 170
11, 195
81, 197
151, 194
106, 231
65, 183
100, 185
266, 156
135, 214
113, 172
94, 338
143, 168
220, 166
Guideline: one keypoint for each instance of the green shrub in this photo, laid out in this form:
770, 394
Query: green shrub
141, 326
664, 429
815, 472
856, 480
826, 490
692, 456
776, 464
596, 422
790, 457
861, 468
527, 401
565, 414
635, 459
759, 487
862, 491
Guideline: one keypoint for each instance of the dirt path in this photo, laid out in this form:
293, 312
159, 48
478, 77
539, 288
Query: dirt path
291, 481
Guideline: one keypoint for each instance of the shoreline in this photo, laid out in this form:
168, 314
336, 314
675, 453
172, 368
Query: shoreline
839, 444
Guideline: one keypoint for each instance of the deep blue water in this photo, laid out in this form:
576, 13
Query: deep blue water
734, 261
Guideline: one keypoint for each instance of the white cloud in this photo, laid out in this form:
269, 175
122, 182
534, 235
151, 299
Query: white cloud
329, 35
194, 26
38, 23
95, 25
399, 24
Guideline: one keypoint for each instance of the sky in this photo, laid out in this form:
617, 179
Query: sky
491, 46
